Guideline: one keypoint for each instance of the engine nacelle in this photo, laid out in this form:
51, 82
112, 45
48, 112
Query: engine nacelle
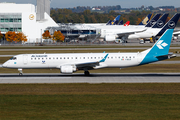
67, 69
110, 37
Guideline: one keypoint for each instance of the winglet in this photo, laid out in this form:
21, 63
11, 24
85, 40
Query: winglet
104, 59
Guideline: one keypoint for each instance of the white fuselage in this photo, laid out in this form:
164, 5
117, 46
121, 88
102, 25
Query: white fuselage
31, 61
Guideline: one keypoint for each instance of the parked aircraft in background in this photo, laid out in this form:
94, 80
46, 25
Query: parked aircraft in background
138, 32
113, 33
69, 63
176, 34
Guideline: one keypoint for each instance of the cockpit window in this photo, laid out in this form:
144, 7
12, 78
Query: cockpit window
13, 58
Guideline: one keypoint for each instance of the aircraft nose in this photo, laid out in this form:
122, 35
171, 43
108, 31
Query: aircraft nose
5, 65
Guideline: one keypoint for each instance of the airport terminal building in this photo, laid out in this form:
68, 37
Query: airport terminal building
27, 18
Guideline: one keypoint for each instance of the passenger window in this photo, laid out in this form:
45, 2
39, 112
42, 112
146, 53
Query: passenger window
31, 58
57, 58
50, 58
38, 58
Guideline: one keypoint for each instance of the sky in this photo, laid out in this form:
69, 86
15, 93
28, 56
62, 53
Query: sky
123, 3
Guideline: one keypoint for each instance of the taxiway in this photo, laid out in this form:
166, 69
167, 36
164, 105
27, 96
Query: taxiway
94, 78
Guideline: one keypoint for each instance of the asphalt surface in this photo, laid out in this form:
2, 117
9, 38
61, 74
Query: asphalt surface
95, 78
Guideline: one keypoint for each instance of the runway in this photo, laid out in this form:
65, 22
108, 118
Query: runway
95, 78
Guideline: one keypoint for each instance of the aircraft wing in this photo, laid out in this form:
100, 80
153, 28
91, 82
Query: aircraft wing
91, 64
129, 33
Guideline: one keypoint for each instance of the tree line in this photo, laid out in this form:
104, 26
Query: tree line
12, 36
57, 36
67, 16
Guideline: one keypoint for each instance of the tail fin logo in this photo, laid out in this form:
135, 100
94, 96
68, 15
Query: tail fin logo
160, 23
161, 45
171, 24
152, 22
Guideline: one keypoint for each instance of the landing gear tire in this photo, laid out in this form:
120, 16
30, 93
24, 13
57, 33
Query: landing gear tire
86, 73
20, 74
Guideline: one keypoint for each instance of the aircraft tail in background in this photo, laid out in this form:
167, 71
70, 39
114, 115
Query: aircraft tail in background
171, 24
116, 20
161, 22
153, 20
109, 22
146, 20
121, 22
127, 23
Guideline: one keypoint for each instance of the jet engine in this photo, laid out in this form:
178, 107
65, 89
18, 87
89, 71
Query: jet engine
110, 37
67, 69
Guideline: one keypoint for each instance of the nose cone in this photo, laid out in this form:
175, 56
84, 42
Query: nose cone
5, 65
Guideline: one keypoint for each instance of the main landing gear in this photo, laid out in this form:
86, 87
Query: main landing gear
86, 73
21, 72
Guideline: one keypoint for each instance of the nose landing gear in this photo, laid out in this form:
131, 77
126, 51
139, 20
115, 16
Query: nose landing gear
21, 72
86, 73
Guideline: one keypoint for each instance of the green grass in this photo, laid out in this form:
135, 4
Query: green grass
90, 101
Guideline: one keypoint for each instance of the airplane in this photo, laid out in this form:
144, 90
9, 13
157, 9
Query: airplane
72, 62
156, 30
110, 33
176, 34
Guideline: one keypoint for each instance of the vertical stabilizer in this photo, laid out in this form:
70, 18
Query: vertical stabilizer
153, 20
146, 19
160, 49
